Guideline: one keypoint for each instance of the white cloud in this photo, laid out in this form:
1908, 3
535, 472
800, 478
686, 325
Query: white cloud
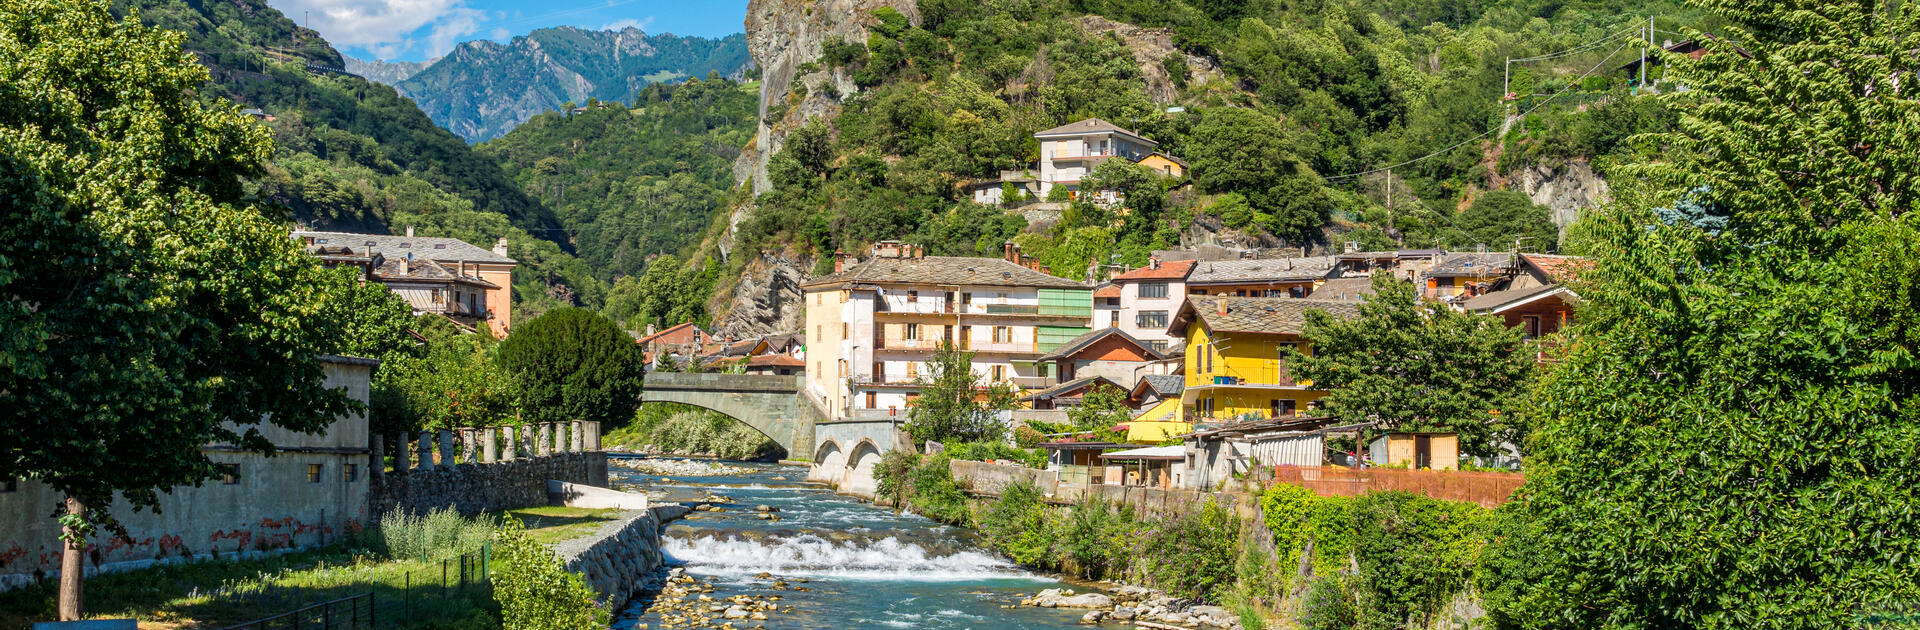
387, 28
616, 25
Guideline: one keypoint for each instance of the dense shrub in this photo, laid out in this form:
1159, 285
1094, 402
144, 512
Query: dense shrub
1192, 554
439, 534
1096, 537
934, 493
1018, 524
535, 591
1411, 553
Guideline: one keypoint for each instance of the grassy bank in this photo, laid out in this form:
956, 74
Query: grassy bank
552, 524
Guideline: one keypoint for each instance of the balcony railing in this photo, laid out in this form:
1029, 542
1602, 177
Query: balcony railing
906, 344
1034, 382
1003, 346
884, 379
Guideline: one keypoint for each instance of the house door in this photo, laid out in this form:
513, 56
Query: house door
872, 400
966, 337
1423, 451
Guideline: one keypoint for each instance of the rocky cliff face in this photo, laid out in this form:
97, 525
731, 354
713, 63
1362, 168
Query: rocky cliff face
1149, 46
386, 72
1567, 188
767, 300
782, 35
484, 89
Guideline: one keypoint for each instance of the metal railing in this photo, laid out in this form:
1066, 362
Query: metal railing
347, 613
469, 574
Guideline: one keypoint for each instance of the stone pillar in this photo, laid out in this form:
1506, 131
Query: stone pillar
487, 444
396, 445
576, 437
448, 456
593, 436
463, 443
511, 450
426, 450
376, 457
542, 439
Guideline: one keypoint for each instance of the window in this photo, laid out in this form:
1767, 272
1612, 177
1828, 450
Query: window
844, 331
1153, 290
913, 370
1156, 320
913, 296
912, 333
1002, 334
1206, 407
313, 473
873, 400
879, 372
349, 472
439, 245
1158, 345
999, 373
1281, 408
229, 474
1533, 326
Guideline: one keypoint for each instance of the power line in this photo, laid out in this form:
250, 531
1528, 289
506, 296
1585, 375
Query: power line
1489, 131
1581, 48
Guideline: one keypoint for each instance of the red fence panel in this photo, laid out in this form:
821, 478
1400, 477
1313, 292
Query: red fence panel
1488, 489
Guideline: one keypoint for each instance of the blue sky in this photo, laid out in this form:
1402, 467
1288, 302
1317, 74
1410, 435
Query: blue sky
413, 30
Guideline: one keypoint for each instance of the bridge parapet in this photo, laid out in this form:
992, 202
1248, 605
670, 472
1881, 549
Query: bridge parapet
714, 382
770, 403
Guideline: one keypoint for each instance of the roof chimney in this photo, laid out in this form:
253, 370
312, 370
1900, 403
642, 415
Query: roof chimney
409, 231
839, 261
649, 329
406, 264
1153, 262
500, 247
1222, 303
1006, 251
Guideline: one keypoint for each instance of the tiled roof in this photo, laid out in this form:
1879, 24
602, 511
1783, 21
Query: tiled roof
1558, 268
943, 270
1343, 289
1262, 315
670, 330
423, 270
399, 246
1079, 343
776, 360
1470, 265
1260, 270
1107, 290
1091, 125
1170, 270
1497, 299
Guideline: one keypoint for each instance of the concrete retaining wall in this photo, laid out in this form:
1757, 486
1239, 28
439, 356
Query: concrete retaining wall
619, 559
988, 479
476, 488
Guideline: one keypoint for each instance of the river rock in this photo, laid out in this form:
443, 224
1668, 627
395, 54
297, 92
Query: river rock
1094, 616
1123, 613
1065, 598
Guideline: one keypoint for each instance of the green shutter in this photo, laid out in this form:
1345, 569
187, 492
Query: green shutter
1046, 338
1066, 302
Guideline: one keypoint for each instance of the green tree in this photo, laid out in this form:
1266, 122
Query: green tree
1731, 439
150, 309
1497, 218
1100, 409
573, 364
951, 405
375, 321
1415, 365
455, 382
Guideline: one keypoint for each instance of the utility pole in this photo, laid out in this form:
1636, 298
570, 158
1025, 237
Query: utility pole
1643, 53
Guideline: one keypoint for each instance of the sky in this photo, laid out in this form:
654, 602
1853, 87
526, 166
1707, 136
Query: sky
415, 30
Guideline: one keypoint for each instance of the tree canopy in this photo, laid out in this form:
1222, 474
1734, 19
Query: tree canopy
573, 364
952, 405
1417, 365
1732, 439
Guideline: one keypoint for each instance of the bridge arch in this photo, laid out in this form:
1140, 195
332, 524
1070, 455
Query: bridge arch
770, 404
862, 461
829, 463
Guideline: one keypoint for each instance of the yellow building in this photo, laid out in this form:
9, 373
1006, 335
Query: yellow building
1165, 165
1235, 362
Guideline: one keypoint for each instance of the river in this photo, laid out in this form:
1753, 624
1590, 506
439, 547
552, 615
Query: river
863, 566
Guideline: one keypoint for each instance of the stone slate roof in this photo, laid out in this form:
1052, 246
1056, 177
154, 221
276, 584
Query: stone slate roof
1497, 299
1169, 270
399, 246
1344, 289
1470, 265
1079, 343
995, 272
1090, 126
1065, 389
1164, 385
1260, 270
423, 270
1259, 315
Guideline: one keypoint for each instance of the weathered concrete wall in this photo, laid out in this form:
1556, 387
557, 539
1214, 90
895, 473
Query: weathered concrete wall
988, 479
771, 404
618, 559
272, 503
476, 488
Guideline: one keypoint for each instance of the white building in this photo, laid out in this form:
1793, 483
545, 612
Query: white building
873, 326
1070, 152
1149, 296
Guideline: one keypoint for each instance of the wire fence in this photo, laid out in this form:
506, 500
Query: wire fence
418, 597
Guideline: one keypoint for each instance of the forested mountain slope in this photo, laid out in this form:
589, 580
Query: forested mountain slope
484, 88
1297, 119
354, 155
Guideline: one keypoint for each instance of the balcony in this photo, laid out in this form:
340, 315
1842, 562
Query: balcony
1034, 382
932, 306
893, 380
918, 345
1011, 347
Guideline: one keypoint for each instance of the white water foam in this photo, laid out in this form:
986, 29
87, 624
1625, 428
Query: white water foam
812, 556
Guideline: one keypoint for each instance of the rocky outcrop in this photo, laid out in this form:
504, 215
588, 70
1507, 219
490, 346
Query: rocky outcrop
767, 300
1567, 188
1138, 605
386, 72
782, 35
1150, 46
621, 558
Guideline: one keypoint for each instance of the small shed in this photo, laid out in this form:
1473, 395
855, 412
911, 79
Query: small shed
1150, 467
1418, 450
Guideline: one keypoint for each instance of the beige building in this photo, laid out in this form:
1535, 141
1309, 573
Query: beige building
447, 276
873, 326
1069, 153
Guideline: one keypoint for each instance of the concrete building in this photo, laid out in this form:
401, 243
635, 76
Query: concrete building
1236, 360
680, 342
436, 275
314, 490
1269, 277
872, 326
1465, 275
1148, 297
1070, 152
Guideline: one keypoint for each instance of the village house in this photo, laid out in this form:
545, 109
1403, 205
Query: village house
1213, 454
1531, 296
1270, 277
1465, 275
872, 326
445, 276
1236, 364
1069, 153
680, 342
1147, 298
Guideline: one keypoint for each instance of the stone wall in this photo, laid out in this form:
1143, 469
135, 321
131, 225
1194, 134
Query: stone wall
619, 559
988, 479
476, 488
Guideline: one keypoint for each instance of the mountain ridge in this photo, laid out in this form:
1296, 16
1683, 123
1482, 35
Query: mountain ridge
482, 88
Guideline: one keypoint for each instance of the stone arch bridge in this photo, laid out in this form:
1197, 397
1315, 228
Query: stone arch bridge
771, 404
